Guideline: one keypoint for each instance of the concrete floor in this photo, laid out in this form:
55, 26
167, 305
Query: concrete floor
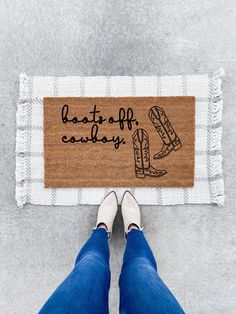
194, 245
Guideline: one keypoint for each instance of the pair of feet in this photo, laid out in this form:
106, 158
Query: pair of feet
108, 209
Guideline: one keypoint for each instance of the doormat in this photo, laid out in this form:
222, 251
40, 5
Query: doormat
208, 178
119, 142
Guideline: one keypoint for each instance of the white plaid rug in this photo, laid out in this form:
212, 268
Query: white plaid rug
208, 187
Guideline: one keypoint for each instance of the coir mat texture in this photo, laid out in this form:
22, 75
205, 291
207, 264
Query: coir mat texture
119, 141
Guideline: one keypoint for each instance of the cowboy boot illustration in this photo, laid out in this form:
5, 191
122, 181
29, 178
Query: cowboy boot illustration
142, 156
162, 124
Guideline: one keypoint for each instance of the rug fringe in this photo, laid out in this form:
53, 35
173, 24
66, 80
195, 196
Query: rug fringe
20, 171
217, 108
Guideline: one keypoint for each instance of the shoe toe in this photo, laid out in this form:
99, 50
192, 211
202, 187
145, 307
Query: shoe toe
130, 210
107, 210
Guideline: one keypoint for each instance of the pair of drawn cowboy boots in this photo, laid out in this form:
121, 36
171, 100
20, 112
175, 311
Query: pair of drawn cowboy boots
170, 140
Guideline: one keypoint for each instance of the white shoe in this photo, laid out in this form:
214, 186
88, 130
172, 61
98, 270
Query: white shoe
130, 211
107, 211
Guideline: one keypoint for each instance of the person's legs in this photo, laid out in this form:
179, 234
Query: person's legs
141, 289
85, 290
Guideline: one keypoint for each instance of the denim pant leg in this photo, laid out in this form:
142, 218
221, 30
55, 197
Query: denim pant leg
141, 289
85, 290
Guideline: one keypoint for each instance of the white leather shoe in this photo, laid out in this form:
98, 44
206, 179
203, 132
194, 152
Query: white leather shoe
130, 211
107, 211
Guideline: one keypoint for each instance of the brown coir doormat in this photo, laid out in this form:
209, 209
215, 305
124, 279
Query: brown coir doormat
119, 141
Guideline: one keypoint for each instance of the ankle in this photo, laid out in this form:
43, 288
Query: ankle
133, 226
102, 225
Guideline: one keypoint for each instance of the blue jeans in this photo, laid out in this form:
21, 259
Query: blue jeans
85, 290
